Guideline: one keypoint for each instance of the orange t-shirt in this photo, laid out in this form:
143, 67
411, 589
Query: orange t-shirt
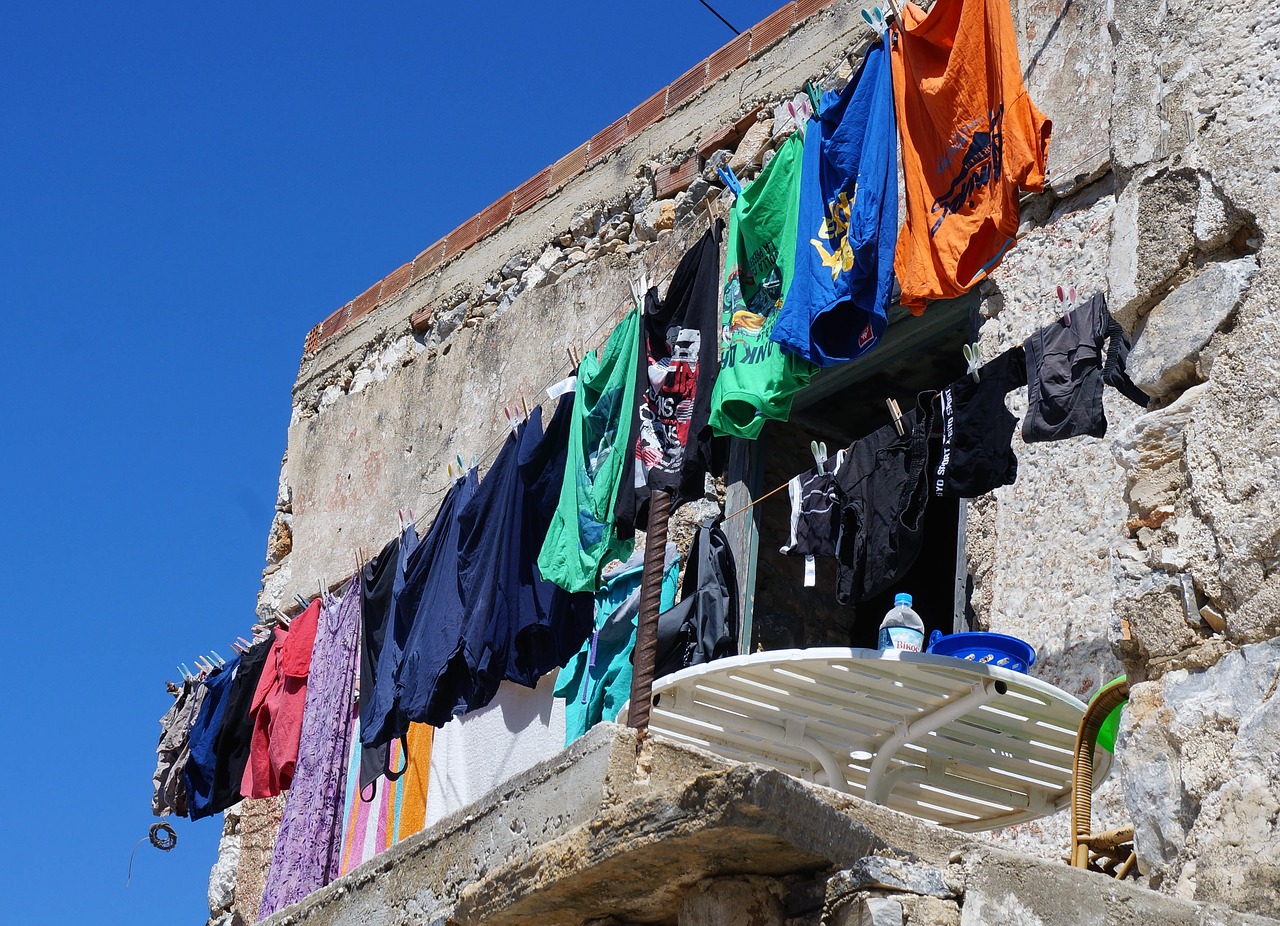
971, 139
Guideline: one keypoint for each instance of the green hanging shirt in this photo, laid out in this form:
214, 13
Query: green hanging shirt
581, 538
757, 378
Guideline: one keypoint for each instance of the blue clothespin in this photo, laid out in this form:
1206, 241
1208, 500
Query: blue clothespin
730, 180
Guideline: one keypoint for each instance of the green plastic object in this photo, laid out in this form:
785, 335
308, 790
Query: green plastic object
1111, 726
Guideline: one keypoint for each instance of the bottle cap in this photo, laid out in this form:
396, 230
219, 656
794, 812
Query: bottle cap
902, 599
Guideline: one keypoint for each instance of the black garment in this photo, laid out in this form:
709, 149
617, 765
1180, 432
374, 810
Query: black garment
815, 510
674, 446
704, 625
977, 429
884, 481
1065, 373
378, 581
435, 681
231, 747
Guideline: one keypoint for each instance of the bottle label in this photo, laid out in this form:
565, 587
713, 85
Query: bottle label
901, 638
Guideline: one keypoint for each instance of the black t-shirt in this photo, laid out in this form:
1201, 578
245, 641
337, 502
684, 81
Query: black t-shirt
674, 446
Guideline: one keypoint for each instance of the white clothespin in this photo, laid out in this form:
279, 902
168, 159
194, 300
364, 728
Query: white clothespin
973, 357
1066, 300
819, 451
639, 288
875, 19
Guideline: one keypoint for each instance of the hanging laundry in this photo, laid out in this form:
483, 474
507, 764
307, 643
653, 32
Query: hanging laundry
169, 794
277, 708
838, 305
201, 767
971, 142
435, 680
704, 625
815, 514
757, 378
565, 619
380, 582
477, 752
581, 537
1066, 372
397, 810
675, 448
977, 429
597, 681
884, 482
307, 853
231, 747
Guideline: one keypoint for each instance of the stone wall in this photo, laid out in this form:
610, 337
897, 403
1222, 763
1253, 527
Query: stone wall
1154, 550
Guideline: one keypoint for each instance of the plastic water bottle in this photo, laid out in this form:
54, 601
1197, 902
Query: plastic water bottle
902, 627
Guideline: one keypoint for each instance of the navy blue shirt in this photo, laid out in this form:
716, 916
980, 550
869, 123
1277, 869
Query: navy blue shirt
199, 771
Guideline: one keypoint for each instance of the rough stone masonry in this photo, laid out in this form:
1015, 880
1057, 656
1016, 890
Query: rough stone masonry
1153, 551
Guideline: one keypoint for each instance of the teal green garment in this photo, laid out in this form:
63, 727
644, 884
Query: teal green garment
758, 379
581, 538
596, 682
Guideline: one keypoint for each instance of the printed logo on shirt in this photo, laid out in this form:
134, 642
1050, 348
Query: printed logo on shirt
866, 336
835, 229
666, 414
980, 165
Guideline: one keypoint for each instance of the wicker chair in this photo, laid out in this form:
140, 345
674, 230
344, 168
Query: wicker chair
1110, 852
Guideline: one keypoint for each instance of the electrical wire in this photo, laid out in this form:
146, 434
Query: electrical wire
716, 14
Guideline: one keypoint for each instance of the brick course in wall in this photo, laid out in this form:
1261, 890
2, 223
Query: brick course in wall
601, 145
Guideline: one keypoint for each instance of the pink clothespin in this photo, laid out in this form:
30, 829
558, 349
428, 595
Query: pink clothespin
1066, 299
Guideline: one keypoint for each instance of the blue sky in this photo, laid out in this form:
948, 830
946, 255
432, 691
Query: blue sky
184, 191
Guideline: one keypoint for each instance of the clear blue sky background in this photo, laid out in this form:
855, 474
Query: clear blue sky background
184, 191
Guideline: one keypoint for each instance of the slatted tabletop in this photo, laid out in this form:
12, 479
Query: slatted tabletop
959, 743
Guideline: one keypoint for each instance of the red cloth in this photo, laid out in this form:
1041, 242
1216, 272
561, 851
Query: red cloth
277, 707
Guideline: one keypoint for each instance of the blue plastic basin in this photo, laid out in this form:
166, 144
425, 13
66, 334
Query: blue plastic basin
997, 649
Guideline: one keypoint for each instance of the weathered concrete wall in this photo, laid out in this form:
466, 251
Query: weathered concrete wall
1153, 550
701, 842
379, 410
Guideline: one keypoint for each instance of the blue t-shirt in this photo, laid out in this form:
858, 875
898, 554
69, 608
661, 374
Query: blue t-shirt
838, 305
199, 770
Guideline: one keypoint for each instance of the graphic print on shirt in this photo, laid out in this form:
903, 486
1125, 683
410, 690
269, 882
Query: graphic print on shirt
755, 317
666, 416
980, 166
835, 229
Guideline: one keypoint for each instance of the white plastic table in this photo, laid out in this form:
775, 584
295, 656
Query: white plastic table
959, 743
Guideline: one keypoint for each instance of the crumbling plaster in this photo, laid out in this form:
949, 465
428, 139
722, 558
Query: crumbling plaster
1153, 550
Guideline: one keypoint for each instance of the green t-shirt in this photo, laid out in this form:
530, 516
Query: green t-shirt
757, 378
581, 538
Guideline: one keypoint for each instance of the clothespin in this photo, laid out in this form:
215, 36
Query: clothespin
217, 658
819, 451
475, 460
896, 413
973, 357
243, 642
1066, 299
730, 180
573, 360
400, 515
815, 95
524, 407
186, 673
875, 19
302, 602
639, 288
893, 9
237, 648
